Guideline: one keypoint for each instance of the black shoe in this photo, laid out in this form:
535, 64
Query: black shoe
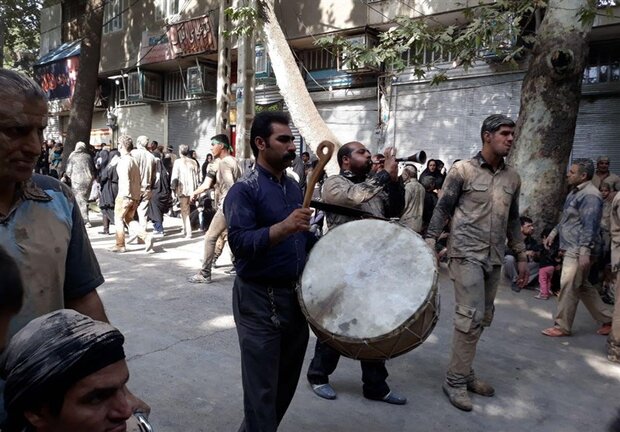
515, 287
104, 232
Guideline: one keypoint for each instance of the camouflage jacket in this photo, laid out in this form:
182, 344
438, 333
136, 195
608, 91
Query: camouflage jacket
483, 206
373, 194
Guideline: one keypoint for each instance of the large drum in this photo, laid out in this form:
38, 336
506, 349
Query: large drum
369, 289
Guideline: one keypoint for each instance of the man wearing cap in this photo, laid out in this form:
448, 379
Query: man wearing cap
67, 372
221, 175
603, 174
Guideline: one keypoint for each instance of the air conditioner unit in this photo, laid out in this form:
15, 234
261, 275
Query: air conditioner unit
143, 86
201, 81
347, 65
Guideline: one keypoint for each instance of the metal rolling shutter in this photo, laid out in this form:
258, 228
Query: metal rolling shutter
136, 120
192, 123
445, 120
597, 131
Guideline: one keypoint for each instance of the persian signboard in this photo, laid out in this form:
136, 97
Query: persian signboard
191, 37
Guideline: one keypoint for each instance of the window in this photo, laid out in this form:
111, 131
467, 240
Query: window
165, 8
113, 15
319, 59
603, 63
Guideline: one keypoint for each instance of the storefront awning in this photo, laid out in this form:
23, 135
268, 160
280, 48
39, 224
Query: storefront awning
66, 50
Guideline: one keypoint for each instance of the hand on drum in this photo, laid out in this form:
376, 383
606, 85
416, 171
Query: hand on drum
390, 165
431, 242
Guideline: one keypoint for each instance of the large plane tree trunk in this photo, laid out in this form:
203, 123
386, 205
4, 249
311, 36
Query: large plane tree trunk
83, 102
293, 88
549, 105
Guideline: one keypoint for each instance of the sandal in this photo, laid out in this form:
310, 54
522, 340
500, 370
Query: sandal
554, 332
541, 296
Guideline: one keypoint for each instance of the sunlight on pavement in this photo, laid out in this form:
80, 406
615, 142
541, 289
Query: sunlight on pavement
603, 366
220, 322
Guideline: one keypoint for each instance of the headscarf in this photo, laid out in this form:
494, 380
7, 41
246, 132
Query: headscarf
80, 146
50, 354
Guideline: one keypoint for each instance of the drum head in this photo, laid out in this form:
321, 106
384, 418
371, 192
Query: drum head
366, 278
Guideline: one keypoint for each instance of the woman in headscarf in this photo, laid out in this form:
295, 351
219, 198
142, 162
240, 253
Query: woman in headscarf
81, 173
433, 170
109, 189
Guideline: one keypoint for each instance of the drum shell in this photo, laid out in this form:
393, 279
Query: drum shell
398, 341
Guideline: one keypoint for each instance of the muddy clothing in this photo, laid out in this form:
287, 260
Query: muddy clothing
579, 226
45, 234
414, 205
81, 173
373, 194
483, 206
128, 178
224, 172
185, 177
381, 197
148, 169
579, 231
613, 341
612, 180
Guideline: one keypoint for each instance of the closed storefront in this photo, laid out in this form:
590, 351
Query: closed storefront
597, 131
136, 120
192, 123
444, 120
354, 120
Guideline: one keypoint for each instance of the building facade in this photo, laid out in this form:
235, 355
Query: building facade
159, 77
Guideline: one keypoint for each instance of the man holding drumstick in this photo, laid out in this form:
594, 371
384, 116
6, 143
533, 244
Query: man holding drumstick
268, 234
481, 197
381, 195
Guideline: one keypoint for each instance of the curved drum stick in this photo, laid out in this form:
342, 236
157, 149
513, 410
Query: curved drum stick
324, 151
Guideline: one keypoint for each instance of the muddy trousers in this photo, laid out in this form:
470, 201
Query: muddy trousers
216, 229
324, 363
575, 287
475, 288
613, 340
124, 210
273, 336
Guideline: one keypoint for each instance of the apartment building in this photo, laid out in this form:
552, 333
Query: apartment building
158, 77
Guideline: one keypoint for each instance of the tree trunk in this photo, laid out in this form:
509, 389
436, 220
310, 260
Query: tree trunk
3, 29
550, 97
293, 88
83, 102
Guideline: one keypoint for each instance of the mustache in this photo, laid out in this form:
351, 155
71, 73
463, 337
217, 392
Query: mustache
289, 156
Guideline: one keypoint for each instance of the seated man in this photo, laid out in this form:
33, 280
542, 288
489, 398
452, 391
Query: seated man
66, 372
532, 250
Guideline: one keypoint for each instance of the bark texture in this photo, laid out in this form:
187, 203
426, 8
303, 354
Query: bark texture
293, 88
549, 105
83, 102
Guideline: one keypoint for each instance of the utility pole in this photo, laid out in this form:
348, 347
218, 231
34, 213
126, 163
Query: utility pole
245, 90
222, 114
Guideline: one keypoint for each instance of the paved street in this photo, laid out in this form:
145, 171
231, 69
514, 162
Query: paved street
184, 359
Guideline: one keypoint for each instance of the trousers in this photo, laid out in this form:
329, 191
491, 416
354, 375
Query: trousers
124, 210
574, 286
273, 336
475, 288
216, 229
325, 360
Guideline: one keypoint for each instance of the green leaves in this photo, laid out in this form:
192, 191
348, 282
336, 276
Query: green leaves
497, 32
247, 19
21, 32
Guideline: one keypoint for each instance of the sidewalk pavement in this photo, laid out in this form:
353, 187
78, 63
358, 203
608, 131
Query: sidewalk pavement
184, 358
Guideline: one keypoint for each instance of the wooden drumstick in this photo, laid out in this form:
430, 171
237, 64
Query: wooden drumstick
324, 151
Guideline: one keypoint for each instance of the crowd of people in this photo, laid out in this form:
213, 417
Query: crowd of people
60, 348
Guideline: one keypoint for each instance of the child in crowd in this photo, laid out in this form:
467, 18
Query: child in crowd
548, 260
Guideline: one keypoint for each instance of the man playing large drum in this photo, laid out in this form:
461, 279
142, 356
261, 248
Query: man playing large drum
381, 195
481, 196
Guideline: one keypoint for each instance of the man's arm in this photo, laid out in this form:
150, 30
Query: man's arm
590, 212
513, 232
338, 190
452, 188
89, 305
